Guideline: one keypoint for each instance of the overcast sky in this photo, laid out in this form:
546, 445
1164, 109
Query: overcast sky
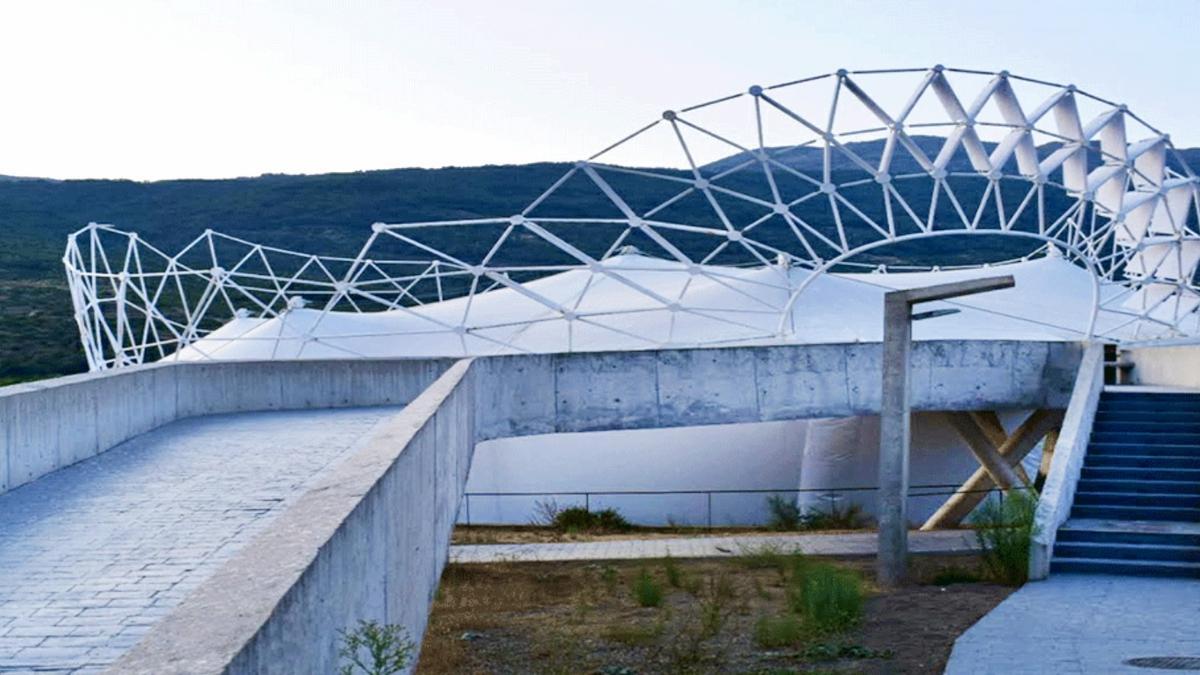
158, 89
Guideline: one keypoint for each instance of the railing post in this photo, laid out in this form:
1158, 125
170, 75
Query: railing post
709, 493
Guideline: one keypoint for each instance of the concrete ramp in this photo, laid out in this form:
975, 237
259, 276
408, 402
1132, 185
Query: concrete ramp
92, 555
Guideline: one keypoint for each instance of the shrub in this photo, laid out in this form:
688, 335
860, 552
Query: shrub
831, 599
573, 519
785, 514
850, 518
388, 649
579, 519
1005, 529
646, 590
610, 520
778, 631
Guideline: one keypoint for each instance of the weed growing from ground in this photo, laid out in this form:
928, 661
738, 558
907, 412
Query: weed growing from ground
784, 513
764, 556
374, 649
830, 599
1005, 530
646, 590
610, 576
713, 606
673, 573
773, 632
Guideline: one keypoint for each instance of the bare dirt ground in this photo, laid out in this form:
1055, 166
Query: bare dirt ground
583, 618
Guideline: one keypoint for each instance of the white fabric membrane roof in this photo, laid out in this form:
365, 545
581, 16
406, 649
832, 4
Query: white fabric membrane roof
1051, 301
766, 198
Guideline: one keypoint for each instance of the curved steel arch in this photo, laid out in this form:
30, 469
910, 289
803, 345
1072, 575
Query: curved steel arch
770, 178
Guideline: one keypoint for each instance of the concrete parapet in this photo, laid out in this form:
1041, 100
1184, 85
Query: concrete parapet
54, 423
1058, 493
367, 542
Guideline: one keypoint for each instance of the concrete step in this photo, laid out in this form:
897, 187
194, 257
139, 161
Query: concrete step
1145, 438
1106, 407
1175, 501
1119, 551
1150, 568
1141, 487
1120, 392
1140, 474
1157, 426
1141, 449
1157, 532
1136, 513
1142, 461
1122, 415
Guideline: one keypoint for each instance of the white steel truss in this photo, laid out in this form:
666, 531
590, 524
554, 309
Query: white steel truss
774, 179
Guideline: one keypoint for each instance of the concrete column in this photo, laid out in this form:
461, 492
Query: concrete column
894, 438
894, 414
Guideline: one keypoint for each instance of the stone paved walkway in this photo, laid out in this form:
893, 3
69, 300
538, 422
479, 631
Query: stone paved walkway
92, 555
1083, 624
853, 543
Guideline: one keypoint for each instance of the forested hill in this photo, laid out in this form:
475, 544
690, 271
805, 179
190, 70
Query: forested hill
327, 214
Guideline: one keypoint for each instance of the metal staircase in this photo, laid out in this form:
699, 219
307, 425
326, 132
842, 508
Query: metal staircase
1137, 504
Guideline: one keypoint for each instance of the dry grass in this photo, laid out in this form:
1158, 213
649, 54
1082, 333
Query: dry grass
583, 617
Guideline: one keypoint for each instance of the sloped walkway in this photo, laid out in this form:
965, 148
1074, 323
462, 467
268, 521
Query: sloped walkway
1080, 623
851, 543
92, 555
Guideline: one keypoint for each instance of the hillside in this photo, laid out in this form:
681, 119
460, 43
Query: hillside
328, 214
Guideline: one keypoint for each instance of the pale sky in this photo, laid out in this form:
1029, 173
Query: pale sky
159, 89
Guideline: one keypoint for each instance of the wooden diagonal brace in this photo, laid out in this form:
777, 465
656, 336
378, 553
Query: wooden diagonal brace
1013, 450
1000, 471
989, 422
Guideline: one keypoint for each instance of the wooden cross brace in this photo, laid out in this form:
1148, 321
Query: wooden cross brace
1000, 455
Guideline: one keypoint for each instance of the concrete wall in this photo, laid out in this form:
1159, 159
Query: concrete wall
51, 424
541, 394
1058, 493
367, 542
54, 423
1174, 366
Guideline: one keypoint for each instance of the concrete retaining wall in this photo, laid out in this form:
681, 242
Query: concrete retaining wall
367, 542
541, 394
54, 423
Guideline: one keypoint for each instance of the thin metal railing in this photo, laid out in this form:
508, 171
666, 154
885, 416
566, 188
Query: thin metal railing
930, 490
